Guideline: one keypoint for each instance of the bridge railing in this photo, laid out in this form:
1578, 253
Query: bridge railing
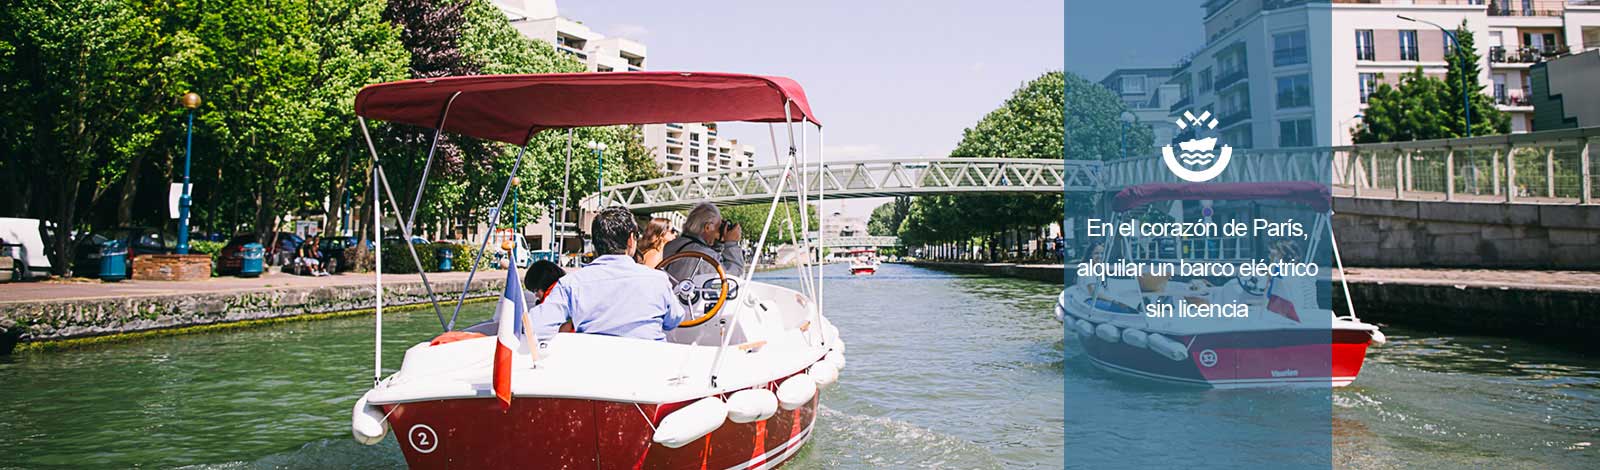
1549, 167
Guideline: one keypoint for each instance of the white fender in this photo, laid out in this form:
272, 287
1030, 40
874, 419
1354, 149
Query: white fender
836, 358
751, 405
1085, 328
1061, 314
1378, 338
1108, 333
367, 423
1135, 338
692, 422
797, 391
824, 373
1167, 347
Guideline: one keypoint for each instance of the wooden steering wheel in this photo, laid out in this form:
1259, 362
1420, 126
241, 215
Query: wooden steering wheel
722, 276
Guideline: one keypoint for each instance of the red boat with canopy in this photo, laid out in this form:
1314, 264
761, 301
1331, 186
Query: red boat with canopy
735, 386
1242, 331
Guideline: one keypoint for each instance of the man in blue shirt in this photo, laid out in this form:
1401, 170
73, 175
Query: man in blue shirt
613, 295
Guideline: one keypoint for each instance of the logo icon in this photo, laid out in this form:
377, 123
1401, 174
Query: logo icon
1196, 162
1208, 358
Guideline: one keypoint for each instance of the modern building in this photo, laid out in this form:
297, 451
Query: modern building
1148, 97
696, 148
840, 225
1564, 94
1266, 67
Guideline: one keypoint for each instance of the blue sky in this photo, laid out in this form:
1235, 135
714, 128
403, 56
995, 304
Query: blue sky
891, 78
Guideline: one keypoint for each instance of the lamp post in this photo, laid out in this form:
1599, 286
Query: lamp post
1122, 131
599, 149
1348, 139
190, 101
1466, 103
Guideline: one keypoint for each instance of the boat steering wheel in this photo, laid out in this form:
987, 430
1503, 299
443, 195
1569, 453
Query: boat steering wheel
683, 286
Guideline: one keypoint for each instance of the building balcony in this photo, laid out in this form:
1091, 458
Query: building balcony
674, 141
1504, 8
1228, 120
1181, 104
1230, 78
674, 125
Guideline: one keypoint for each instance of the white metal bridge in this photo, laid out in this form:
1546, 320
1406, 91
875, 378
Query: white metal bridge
858, 179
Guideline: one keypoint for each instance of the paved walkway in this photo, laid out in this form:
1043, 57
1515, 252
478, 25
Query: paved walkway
78, 288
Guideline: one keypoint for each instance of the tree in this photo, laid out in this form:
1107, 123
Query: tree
751, 217
1423, 107
886, 219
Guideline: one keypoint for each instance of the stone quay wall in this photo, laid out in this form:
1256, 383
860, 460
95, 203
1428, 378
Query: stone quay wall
1389, 233
87, 318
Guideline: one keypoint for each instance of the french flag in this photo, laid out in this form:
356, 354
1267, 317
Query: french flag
509, 314
1279, 305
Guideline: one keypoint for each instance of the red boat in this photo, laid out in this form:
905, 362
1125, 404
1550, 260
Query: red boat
1310, 345
863, 262
736, 386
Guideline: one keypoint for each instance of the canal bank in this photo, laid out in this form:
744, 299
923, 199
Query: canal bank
53, 315
1549, 306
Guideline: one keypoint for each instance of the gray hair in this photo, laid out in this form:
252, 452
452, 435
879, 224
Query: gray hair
702, 214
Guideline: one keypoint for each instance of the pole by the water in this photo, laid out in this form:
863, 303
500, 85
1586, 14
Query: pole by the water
183, 199
377, 260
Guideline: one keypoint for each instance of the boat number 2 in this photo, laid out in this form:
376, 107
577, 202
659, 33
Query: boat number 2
423, 439
1208, 358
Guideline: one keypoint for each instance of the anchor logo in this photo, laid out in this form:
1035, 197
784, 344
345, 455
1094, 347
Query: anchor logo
1197, 152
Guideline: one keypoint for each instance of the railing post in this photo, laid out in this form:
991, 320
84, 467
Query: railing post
1353, 158
1449, 173
1586, 186
1400, 174
1372, 171
1511, 173
1550, 172
1494, 171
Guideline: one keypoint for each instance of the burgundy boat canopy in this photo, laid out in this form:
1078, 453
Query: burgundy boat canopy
511, 108
1308, 193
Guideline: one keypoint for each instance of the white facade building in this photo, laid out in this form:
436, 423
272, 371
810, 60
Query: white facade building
1266, 68
696, 148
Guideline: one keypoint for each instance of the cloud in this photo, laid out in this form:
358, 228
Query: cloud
629, 30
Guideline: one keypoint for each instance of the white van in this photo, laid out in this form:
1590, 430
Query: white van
23, 242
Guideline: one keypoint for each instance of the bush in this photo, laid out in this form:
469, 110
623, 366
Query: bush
396, 260
207, 247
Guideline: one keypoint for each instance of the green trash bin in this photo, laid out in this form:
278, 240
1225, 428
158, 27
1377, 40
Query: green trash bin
113, 261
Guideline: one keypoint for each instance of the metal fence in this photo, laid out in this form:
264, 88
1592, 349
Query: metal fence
1553, 167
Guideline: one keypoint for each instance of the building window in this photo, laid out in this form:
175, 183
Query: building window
1205, 80
1408, 44
1294, 91
1289, 48
1364, 45
1133, 85
694, 136
1368, 83
694, 152
1295, 133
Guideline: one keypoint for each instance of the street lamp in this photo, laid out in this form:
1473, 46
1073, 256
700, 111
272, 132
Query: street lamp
599, 149
1466, 104
190, 101
1122, 131
1349, 139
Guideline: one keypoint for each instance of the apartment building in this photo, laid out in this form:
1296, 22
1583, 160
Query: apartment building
1148, 97
696, 148
540, 20
1311, 64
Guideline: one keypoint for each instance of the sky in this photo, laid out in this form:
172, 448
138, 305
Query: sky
897, 79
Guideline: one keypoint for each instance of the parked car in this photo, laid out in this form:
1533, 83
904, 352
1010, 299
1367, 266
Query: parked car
139, 240
281, 247
231, 258
23, 242
333, 249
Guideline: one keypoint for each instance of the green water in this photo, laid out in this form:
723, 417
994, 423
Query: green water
944, 371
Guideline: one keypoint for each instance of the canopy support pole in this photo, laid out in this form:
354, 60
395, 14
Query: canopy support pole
377, 177
1344, 278
822, 219
565, 183
428, 165
377, 256
494, 221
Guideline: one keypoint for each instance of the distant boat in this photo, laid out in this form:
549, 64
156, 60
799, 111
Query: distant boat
1198, 145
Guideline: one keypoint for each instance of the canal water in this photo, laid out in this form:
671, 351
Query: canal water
945, 371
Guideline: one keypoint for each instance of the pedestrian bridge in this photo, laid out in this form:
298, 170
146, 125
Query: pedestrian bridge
857, 241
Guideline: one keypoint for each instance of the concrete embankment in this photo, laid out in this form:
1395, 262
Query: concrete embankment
1553, 306
45, 316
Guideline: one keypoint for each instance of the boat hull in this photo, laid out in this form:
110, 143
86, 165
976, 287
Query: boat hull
863, 271
540, 433
1243, 359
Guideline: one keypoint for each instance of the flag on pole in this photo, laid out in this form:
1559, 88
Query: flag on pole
510, 337
1278, 304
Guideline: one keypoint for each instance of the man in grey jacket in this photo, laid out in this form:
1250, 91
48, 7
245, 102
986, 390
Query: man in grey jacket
704, 231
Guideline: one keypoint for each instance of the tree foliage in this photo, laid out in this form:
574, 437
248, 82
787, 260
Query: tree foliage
751, 217
1423, 107
886, 219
